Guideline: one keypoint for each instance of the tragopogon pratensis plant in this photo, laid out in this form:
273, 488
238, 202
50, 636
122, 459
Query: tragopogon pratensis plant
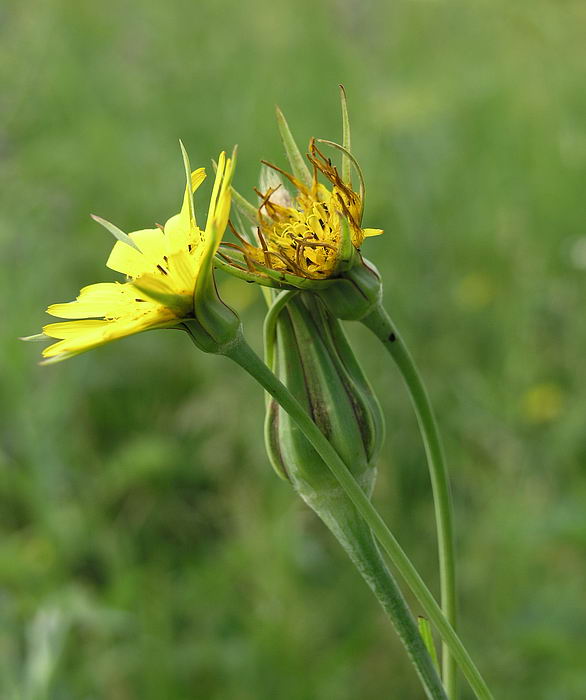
301, 241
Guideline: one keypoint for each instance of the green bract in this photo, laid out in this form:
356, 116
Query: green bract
315, 362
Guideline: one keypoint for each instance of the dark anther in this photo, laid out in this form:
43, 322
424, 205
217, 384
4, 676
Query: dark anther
392, 338
162, 269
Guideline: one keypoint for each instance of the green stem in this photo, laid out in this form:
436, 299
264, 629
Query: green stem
244, 356
270, 325
381, 325
350, 529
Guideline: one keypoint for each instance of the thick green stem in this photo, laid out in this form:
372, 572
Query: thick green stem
381, 325
350, 529
243, 355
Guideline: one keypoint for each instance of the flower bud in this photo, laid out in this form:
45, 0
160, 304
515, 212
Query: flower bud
316, 363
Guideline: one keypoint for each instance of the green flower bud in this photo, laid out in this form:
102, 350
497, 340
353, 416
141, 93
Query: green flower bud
316, 363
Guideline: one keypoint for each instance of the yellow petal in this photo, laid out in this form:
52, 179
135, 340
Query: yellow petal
71, 329
372, 232
220, 201
181, 230
103, 300
130, 262
79, 336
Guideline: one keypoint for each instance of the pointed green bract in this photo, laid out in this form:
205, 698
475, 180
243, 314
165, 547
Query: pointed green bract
246, 275
298, 166
248, 210
116, 232
346, 247
346, 140
286, 278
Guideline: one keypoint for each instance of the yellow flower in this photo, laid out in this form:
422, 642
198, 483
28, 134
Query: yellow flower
313, 233
168, 270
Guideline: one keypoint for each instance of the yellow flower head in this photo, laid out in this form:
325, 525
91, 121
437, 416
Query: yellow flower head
167, 270
308, 235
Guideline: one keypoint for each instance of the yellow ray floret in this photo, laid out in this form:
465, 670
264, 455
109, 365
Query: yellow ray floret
162, 268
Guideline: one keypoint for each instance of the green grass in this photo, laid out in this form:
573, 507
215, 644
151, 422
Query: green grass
147, 550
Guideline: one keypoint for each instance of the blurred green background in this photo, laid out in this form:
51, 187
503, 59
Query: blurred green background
147, 549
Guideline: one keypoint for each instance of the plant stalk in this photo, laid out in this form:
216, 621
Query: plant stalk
241, 353
348, 526
381, 325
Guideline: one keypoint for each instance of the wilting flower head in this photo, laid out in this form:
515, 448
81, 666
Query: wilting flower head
307, 226
168, 275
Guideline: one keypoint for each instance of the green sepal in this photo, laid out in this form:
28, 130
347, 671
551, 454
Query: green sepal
354, 294
246, 275
289, 281
373, 420
296, 161
276, 279
347, 253
215, 327
244, 207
